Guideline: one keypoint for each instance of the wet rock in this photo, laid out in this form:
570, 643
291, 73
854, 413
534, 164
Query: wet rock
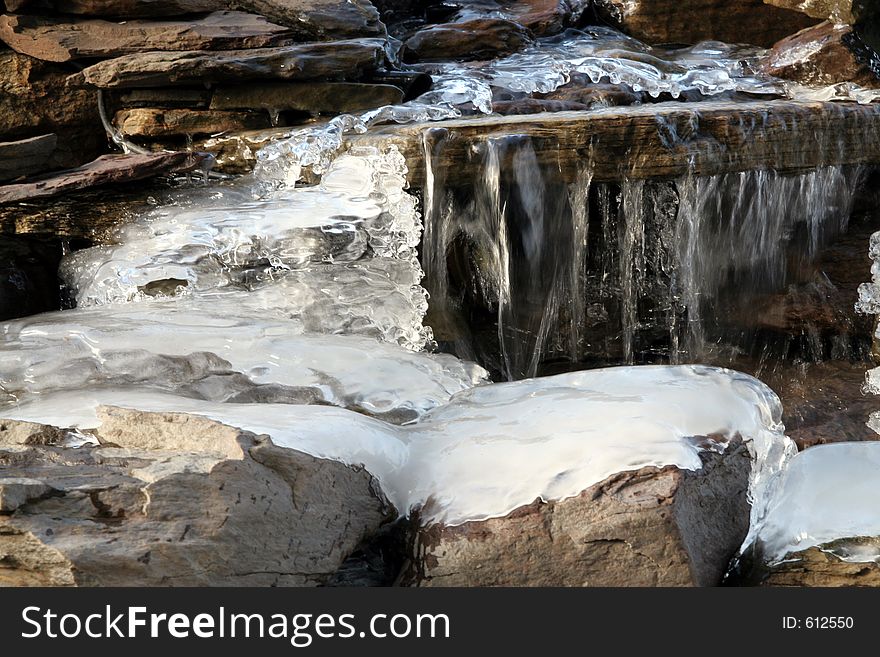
652, 527
26, 157
72, 114
535, 106
310, 97
823, 55
106, 170
842, 12
335, 61
545, 17
28, 277
692, 21
57, 41
170, 97
320, 19
479, 39
171, 499
584, 91
819, 566
119, 8
236, 153
145, 122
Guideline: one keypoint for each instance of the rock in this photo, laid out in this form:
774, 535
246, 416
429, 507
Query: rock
25, 86
826, 54
28, 277
479, 39
106, 170
841, 12
120, 8
311, 97
819, 566
651, 527
56, 41
535, 106
170, 97
27, 156
181, 122
584, 91
337, 61
692, 21
320, 19
236, 153
172, 499
545, 17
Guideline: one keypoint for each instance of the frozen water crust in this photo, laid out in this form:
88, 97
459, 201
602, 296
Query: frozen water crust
825, 494
494, 448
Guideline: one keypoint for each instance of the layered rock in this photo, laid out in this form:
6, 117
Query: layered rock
823, 55
820, 566
651, 527
339, 61
118, 8
183, 122
170, 499
58, 41
310, 97
478, 39
26, 156
692, 21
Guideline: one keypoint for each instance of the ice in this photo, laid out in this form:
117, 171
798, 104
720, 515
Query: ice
168, 346
494, 448
825, 494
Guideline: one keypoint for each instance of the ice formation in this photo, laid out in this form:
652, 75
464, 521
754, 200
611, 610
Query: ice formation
825, 494
494, 448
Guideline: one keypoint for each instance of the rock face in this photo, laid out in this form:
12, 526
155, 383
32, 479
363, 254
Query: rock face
822, 55
106, 170
179, 500
479, 39
182, 122
27, 156
692, 21
55, 41
338, 60
72, 114
651, 527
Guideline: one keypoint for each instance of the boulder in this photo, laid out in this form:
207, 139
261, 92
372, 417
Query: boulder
651, 527
310, 97
826, 54
60, 41
72, 114
339, 60
106, 170
145, 122
26, 156
692, 21
175, 500
478, 39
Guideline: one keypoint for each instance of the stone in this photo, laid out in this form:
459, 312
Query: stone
826, 54
819, 566
236, 153
478, 39
72, 115
145, 122
337, 61
106, 170
169, 97
692, 21
27, 156
842, 12
545, 17
176, 500
120, 8
311, 97
28, 276
651, 527
58, 41
320, 19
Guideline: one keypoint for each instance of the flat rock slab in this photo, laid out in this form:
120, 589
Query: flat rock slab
653, 141
145, 122
651, 527
58, 41
692, 21
120, 8
27, 156
312, 97
335, 61
175, 500
320, 19
106, 170
479, 39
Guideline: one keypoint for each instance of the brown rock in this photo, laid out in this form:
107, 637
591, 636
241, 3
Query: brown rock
820, 567
72, 114
145, 122
106, 170
236, 153
169, 97
56, 41
320, 19
822, 55
479, 39
178, 500
841, 12
692, 21
338, 61
120, 8
584, 91
545, 17
26, 157
653, 527
312, 97
535, 106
